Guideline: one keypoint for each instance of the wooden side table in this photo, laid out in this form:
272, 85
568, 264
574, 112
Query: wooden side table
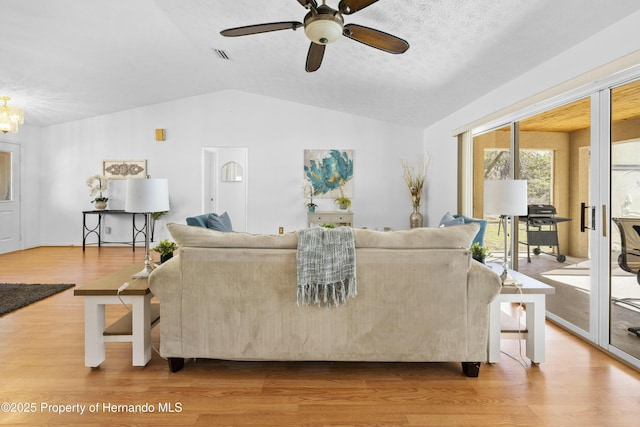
330, 217
533, 297
134, 327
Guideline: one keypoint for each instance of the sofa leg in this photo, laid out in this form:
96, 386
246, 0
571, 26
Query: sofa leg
176, 364
471, 369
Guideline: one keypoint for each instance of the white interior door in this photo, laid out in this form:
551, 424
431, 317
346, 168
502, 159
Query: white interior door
9, 197
225, 175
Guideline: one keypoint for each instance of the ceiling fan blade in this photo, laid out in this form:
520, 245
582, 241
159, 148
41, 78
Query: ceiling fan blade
308, 4
347, 7
314, 57
261, 28
376, 38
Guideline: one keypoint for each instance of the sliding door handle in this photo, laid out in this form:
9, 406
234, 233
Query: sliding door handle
584, 209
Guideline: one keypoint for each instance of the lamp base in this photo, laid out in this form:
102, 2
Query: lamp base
148, 267
144, 273
510, 281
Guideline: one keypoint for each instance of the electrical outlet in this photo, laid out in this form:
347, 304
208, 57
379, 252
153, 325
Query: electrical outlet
280, 230
107, 230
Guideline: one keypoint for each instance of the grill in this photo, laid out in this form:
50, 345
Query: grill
542, 230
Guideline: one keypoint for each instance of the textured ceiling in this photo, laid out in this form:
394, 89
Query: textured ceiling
64, 60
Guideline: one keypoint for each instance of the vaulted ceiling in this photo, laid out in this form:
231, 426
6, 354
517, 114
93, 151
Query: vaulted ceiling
65, 60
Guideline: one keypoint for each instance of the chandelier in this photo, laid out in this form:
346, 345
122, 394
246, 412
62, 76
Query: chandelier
10, 117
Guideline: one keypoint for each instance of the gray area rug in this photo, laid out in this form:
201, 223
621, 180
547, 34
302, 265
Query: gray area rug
16, 295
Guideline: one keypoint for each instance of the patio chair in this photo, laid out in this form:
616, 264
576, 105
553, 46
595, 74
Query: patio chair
629, 258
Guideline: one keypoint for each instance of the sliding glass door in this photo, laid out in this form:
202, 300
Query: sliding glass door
624, 290
551, 150
554, 152
581, 160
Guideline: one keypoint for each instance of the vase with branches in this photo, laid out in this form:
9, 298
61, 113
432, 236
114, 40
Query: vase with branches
415, 178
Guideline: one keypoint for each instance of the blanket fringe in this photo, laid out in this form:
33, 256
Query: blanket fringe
329, 294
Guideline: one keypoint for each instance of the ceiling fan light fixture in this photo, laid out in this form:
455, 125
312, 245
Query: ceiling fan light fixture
324, 28
10, 117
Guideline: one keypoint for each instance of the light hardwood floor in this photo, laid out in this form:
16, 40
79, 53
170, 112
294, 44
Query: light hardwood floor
42, 362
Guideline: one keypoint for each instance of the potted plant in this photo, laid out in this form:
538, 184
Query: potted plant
307, 188
165, 248
344, 202
97, 184
479, 252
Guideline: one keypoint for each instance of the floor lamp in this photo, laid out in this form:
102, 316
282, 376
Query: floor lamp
146, 196
506, 198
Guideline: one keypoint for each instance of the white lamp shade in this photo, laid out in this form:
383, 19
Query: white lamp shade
147, 195
506, 197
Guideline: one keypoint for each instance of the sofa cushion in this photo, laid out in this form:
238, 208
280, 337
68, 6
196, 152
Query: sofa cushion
186, 236
219, 222
418, 238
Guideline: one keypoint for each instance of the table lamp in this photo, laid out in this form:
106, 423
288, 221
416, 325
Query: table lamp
505, 198
146, 196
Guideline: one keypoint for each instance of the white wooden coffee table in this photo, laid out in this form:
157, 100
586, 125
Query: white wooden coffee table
533, 297
134, 327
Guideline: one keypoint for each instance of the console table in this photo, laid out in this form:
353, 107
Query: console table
97, 229
330, 217
533, 297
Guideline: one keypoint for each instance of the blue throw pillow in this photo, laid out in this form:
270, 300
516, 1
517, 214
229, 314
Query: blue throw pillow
198, 221
224, 218
219, 222
483, 226
448, 220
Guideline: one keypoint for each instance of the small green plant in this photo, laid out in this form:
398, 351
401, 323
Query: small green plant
344, 202
157, 215
480, 252
328, 225
165, 247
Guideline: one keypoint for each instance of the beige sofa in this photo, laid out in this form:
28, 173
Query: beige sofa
420, 298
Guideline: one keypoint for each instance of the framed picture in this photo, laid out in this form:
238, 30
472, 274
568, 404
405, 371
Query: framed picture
124, 169
330, 172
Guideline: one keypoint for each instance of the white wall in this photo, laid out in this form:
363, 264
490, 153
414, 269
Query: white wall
276, 133
613, 49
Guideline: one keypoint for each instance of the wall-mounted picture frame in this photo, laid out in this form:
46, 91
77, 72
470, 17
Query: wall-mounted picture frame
330, 171
124, 169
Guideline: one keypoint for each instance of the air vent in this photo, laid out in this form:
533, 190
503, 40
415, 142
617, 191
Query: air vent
221, 54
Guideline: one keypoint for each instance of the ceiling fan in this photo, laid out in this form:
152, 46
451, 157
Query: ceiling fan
324, 25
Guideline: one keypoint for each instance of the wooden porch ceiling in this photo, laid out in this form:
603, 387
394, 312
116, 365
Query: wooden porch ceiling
575, 116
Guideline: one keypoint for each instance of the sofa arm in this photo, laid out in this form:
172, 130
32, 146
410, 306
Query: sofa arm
484, 283
166, 284
483, 286
164, 280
